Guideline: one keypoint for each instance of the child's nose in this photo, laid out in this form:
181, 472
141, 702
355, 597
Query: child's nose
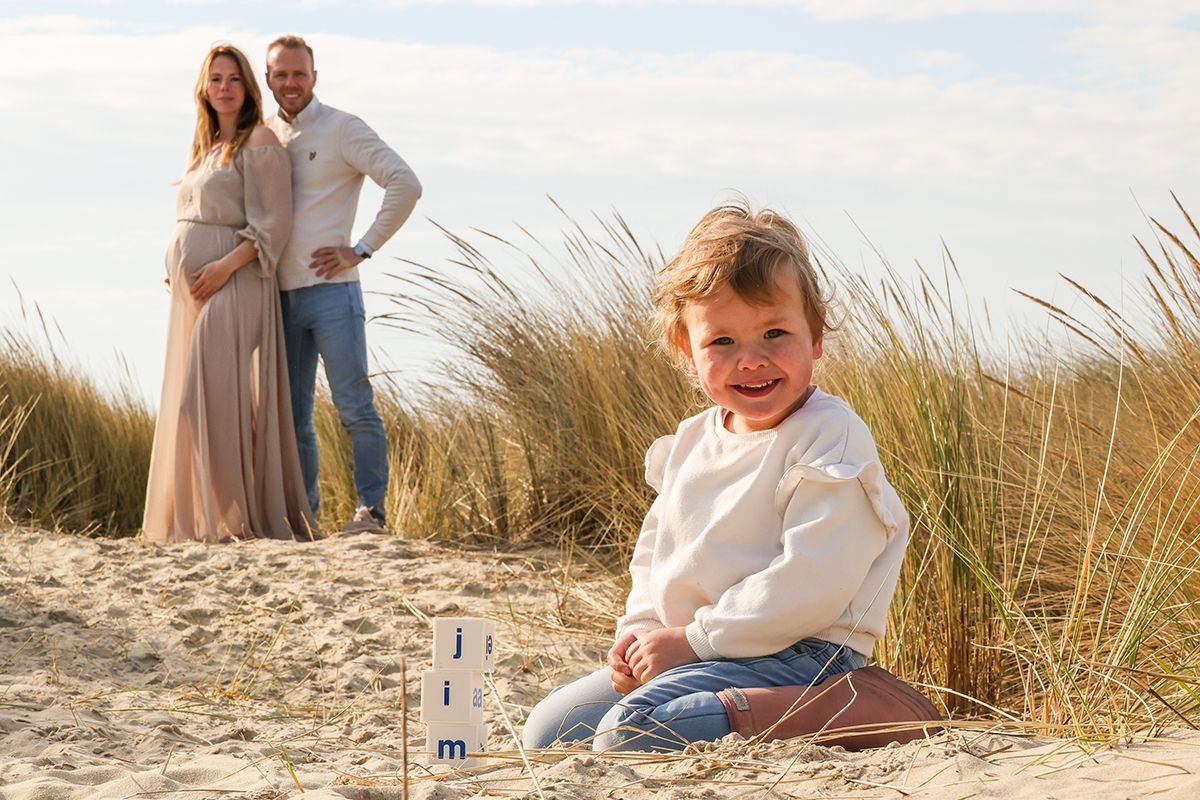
752, 358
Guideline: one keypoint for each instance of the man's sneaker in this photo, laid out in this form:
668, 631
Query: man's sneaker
364, 522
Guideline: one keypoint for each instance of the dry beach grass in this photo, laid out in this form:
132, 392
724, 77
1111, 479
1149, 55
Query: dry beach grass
1051, 584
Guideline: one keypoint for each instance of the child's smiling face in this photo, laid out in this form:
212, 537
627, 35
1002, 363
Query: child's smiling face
755, 361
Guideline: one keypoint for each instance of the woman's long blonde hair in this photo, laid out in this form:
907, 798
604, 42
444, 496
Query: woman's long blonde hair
207, 124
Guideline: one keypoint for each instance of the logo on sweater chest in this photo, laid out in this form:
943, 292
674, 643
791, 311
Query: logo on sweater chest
312, 154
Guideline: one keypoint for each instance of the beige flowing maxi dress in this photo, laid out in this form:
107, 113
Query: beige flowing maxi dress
225, 463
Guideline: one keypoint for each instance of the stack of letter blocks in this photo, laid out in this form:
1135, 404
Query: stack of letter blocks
452, 692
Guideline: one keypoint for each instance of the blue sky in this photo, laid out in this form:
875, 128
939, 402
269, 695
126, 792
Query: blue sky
1023, 133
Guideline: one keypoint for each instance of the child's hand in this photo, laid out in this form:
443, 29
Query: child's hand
655, 652
616, 654
623, 681
623, 684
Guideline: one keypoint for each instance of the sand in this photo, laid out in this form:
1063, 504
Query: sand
269, 669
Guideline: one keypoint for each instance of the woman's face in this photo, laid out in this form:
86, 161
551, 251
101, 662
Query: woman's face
225, 91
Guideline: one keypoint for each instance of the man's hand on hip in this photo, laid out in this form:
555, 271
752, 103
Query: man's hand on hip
329, 262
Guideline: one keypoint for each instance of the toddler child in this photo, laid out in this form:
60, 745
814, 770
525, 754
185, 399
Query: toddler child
773, 548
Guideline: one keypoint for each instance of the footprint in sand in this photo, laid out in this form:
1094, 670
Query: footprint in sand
195, 575
116, 611
197, 615
361, 625
196, 555
144, 655
199, 637
64, 616
284, 605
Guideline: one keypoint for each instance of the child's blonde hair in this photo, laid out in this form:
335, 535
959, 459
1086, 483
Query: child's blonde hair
734, 246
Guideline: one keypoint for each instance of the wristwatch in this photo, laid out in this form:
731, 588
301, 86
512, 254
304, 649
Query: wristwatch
361, 251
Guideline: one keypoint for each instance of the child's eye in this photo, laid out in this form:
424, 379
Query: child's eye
722, 340
773, 333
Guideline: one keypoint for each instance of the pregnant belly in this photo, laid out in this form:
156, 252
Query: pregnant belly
194, 244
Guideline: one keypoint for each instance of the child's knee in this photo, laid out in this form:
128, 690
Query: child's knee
541, 726
570, 713
536, 736
632, 727
615, 733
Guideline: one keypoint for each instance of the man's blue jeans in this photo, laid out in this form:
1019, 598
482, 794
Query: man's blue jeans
678, 707
328, 320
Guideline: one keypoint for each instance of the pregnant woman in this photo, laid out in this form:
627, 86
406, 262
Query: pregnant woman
225, 463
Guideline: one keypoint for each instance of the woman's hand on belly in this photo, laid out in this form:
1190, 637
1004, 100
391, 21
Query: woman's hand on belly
209, 279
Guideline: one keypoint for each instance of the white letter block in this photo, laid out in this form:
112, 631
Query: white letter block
451, 695
449, 743
464, 643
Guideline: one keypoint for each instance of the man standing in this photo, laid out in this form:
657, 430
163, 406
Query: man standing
322, 301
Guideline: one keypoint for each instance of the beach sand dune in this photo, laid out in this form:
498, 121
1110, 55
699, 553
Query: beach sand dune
266, 669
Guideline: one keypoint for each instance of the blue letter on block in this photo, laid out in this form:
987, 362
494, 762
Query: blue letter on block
458, 643
454, 745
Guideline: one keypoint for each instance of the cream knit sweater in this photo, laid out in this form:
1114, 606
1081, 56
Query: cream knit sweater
759, 540
331, 151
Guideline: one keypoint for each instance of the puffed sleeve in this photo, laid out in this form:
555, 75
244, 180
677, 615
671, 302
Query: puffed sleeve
267, 181
640, 613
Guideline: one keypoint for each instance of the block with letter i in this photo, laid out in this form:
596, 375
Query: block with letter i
451, 695
452, 692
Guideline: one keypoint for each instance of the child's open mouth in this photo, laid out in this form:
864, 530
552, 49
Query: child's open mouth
756, 389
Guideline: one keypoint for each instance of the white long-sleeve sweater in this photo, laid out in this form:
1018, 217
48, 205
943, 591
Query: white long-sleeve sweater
759, 540
331, 152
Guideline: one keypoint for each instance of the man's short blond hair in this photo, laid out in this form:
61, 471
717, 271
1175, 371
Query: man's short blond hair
735, 246
289, 42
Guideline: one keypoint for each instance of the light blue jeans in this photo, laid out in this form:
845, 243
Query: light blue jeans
328, 320
678, 707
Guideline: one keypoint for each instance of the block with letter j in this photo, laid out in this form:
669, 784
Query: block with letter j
464, 643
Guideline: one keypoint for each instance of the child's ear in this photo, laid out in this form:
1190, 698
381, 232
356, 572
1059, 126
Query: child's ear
817, 347
685, 352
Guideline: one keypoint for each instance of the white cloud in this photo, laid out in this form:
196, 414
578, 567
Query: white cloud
47, 24
922, 9
856, 9
938, 59
1022, 178
594, 111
